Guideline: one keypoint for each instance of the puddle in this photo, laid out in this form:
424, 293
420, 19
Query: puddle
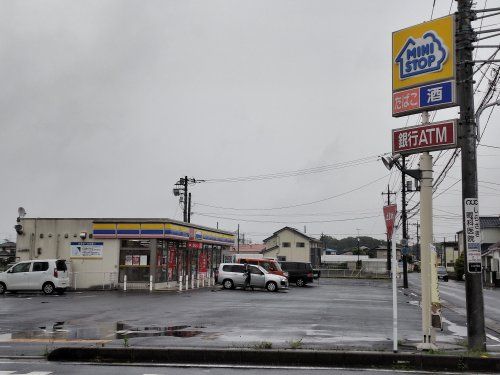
109, 331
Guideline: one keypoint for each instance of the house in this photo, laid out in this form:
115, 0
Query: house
380, 252
7, 252
491, 265
246, 251
489, 231
289, 244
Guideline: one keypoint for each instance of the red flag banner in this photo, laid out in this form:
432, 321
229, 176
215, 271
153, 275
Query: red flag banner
389, 216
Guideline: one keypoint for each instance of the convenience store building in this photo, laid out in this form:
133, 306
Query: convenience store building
105, 252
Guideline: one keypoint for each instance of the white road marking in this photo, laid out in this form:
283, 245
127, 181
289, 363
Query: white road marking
29, 373
493, 337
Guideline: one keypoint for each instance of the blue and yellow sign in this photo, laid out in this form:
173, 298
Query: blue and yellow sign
423, 54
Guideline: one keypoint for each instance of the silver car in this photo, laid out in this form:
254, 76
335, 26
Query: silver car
232, 275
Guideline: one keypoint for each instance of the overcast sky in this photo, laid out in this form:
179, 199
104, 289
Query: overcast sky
106, 104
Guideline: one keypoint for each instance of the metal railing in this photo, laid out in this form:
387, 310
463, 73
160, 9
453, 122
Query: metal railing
354, 273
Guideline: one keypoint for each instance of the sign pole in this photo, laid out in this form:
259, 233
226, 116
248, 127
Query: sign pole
428, 342
394, 295
473, 282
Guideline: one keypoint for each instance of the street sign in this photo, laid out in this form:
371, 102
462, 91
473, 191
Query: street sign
427, 137
423, 54
472, 235
389, 216
424, 98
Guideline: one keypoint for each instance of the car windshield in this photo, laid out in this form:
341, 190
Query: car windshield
441, 269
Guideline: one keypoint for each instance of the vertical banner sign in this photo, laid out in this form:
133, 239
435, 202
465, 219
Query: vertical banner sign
389, 216
472, 235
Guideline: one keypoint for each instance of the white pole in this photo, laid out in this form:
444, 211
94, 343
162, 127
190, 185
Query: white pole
187, 282
428, 341
180, 283
150, 283
394, 294
125, 283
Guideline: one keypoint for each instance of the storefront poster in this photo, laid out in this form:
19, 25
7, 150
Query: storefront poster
136, 260
202, 262
144, 260
128, 260
86, 249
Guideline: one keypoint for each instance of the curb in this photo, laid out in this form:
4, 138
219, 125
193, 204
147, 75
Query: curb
277, 357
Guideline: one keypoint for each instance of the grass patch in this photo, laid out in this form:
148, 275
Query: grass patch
296, 344
263, 345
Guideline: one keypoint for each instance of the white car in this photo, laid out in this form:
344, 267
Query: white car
232, 275
48, 275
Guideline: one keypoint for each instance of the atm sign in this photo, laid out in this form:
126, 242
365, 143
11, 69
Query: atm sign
428, 137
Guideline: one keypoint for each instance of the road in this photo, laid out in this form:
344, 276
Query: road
48, 368
452, 295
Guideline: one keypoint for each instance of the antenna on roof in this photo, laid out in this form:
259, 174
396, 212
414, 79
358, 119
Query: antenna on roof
21, 212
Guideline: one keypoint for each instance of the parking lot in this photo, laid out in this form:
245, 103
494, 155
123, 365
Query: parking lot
334, 313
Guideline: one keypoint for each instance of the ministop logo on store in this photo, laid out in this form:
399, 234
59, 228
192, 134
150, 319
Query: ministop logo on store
421, 55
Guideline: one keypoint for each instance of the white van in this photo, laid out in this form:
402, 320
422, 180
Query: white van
48, 275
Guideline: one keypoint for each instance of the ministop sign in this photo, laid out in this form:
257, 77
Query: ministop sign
423, 54
427, 137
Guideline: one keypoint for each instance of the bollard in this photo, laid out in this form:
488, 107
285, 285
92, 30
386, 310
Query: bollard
180, 283
198, 282
125, 283
150, 283
186, 282
192, 281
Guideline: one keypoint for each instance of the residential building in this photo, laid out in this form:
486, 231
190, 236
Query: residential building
7, 252
489, 231
491, 265
289, 244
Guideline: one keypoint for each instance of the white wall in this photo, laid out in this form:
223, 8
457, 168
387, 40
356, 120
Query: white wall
52, 238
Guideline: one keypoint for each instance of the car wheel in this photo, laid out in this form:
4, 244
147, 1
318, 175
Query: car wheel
3, 288
271, 286
445, 278
48, 288
228, 284
300, 282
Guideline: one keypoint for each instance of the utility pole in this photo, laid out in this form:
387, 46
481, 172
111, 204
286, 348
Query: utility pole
417, 224
403, 223
467, 133
185, 182
388, 238
238, 246
189, 208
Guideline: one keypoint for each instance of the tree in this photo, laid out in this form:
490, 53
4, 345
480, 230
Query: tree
460, 266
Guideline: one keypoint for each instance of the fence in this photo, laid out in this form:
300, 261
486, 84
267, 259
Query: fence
362, 273
94, 280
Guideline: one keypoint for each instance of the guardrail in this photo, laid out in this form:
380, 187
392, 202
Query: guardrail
94, 280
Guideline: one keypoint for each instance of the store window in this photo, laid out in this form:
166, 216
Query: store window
134, 260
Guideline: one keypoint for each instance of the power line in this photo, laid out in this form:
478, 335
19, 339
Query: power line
298, 172
295, 205
288, 222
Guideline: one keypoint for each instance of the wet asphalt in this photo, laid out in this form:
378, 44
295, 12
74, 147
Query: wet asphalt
332, 314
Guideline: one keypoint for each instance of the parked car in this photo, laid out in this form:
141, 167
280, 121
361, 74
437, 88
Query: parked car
442, 273
270, 265
299, 273
48, 275
232, 275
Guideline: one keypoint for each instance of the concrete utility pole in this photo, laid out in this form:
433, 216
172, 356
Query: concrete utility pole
388, 238
429, 337
189, 208
403, 222
467, 134
185, 181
